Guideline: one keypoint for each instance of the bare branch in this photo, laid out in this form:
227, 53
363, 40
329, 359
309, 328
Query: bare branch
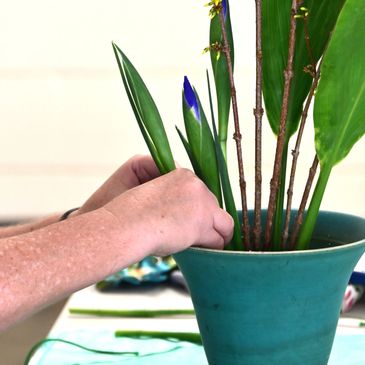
303, 203
288, 75
258, 112
237, 135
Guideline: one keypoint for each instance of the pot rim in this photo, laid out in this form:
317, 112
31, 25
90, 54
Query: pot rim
340, 246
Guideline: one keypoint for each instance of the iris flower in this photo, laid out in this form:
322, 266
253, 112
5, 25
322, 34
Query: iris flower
191, 99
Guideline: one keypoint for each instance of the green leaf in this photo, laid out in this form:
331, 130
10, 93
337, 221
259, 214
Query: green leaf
192, 159
339, 113
220, 72
230, 205
322, 16
146, 112
145, 135
202, 148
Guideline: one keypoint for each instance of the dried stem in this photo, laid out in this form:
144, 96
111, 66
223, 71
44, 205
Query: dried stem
288, 76
295, 152
237, 135
307, 42
258, 112
303, 203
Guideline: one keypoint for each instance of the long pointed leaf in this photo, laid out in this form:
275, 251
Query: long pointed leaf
189, 152
145, 135
339, 113
148, 113
221, 77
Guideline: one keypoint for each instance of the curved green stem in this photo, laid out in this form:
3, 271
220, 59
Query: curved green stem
307, 229
223, 143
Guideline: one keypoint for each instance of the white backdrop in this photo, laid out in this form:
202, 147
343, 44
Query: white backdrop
66, 123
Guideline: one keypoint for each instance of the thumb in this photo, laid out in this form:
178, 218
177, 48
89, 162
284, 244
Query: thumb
223, 224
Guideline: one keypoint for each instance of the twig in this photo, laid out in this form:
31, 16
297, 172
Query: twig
303, 203
288, 76
307, 42
237, 135
295, 152
258, 112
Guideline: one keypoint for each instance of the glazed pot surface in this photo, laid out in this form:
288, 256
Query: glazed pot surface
260, 308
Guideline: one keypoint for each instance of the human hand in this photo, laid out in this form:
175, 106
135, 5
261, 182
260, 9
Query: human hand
137, 170
171, 213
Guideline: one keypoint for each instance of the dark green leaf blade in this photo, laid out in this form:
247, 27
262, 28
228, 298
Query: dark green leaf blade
220, 72
188, 150
322, 16
145, 135
148, 112
339, 113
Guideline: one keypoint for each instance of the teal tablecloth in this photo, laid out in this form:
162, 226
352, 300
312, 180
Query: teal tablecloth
347, 350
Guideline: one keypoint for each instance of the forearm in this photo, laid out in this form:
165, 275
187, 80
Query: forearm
18, 229
47, 264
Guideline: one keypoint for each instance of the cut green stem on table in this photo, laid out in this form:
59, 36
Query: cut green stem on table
143, 313
179, 336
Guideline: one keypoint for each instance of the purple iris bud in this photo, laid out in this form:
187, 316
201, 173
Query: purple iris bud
224, 5
191, 99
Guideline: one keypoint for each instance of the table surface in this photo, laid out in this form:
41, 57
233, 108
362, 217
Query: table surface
158, 297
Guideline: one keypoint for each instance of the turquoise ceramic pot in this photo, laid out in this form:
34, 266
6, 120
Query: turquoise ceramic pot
274, 308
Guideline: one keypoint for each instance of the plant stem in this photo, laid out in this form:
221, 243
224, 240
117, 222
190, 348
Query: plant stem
143, 313
181, 336
258, 112
288, 76
295, 154
306, 231
278, 217
303, 203
237, 135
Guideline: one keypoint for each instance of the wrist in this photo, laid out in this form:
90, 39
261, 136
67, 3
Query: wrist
69, 213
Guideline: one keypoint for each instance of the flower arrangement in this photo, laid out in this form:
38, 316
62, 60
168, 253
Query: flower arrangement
307, 51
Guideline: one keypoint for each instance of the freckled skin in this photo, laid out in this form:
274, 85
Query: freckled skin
135, 213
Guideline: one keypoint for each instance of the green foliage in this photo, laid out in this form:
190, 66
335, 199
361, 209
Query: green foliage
321, 17
339, 112
201, 143
229, 203
146, 113
221, 77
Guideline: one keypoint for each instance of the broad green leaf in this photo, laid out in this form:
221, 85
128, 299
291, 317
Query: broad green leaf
147, 114
220, 72
339, 112
322, 16
339, 109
